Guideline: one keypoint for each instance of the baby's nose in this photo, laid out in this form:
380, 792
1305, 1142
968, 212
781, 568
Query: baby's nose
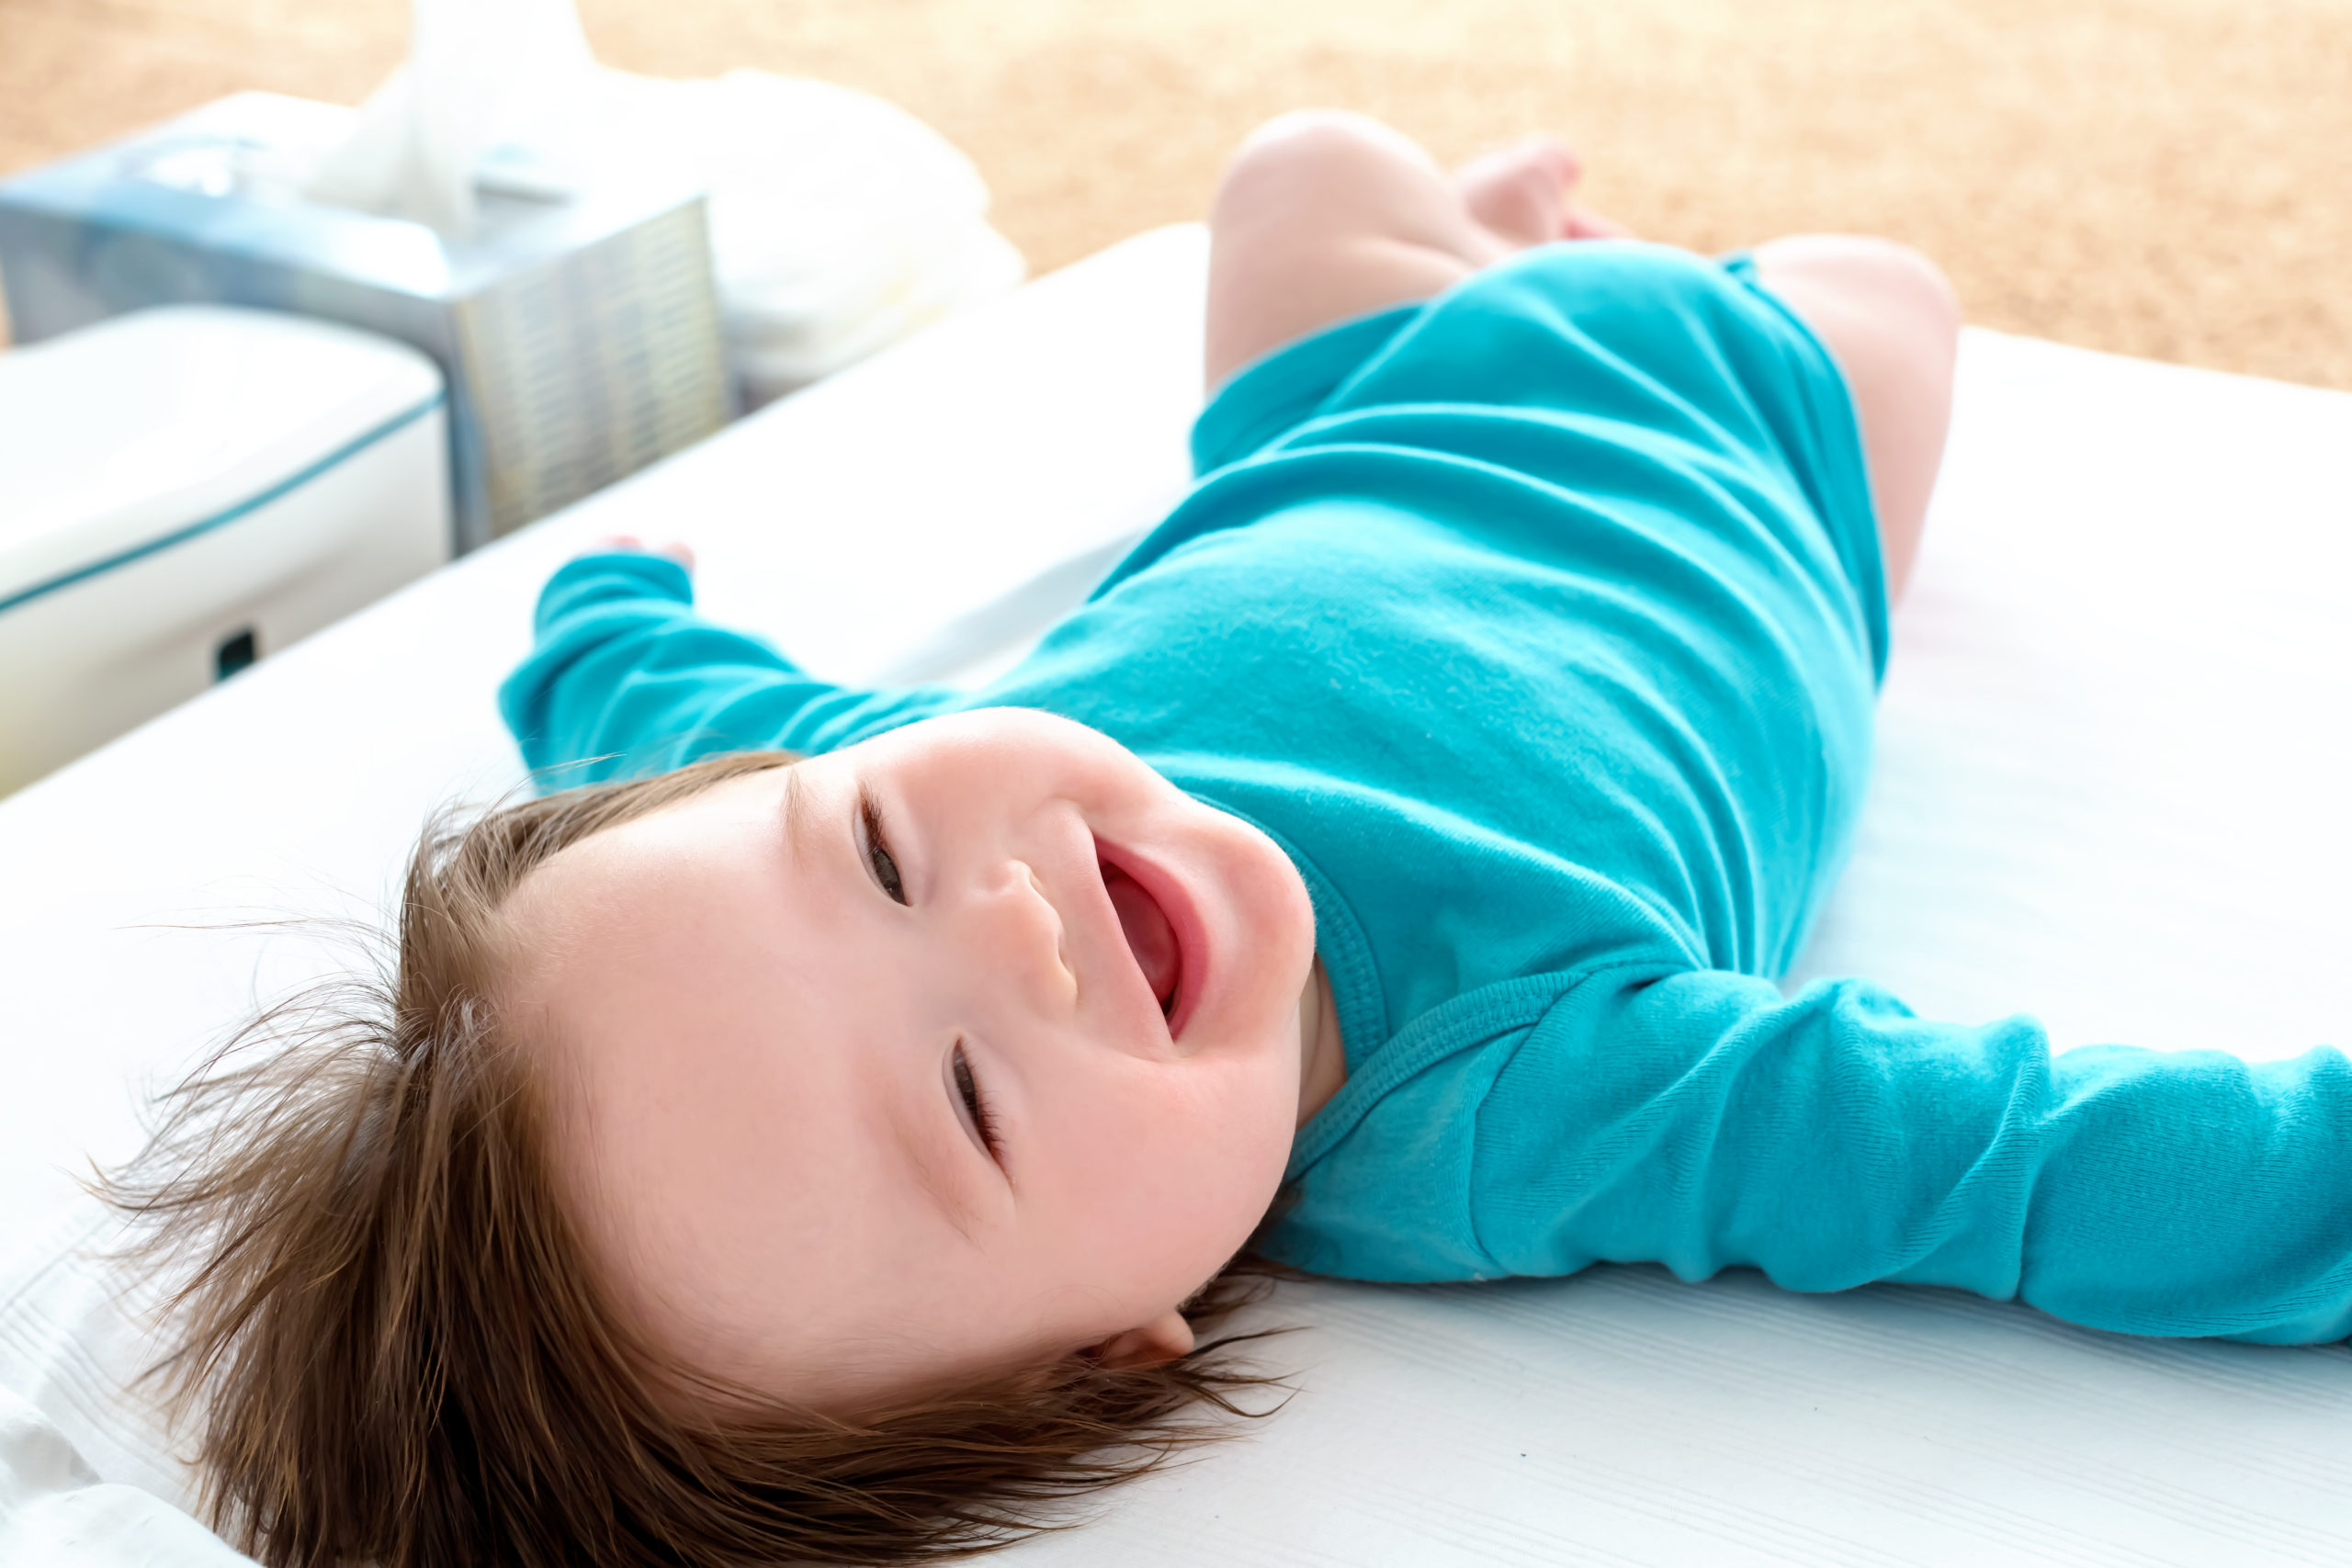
1025, 937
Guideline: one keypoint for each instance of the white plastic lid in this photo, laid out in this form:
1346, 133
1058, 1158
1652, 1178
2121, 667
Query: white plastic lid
119, 436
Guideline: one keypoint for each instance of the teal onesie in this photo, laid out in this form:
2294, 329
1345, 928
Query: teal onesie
1540, 625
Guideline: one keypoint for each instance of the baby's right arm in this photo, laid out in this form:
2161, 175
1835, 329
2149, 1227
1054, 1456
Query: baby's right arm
624, 680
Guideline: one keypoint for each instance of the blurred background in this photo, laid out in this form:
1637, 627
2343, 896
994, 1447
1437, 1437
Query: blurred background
2171, 179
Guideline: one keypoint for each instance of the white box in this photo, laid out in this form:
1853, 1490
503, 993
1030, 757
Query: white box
580, 337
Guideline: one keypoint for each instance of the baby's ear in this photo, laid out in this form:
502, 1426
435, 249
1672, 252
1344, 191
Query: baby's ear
1164, 1338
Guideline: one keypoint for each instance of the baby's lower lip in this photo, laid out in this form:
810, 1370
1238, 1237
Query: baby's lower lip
1150, 936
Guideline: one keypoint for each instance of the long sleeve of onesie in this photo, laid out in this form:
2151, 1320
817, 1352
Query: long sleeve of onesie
624, 680
1702, 1120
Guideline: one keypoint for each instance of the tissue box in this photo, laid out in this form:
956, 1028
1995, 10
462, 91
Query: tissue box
580, 337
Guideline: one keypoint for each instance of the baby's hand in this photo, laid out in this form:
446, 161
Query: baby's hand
676, 550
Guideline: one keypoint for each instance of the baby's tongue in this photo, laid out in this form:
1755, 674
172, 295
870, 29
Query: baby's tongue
1147, 930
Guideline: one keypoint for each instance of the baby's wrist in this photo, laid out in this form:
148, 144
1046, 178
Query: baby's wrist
611, 574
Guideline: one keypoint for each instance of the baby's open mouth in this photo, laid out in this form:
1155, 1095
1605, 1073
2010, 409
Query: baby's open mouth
1150, 936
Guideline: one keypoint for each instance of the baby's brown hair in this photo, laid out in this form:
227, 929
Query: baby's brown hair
385, 1336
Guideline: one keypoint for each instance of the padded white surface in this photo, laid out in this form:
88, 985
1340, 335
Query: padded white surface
146, 423
2109, 791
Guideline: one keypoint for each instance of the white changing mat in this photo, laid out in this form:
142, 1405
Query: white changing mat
2111, 791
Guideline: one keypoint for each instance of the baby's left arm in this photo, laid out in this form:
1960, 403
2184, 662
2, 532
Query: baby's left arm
1701, 1120
624, 680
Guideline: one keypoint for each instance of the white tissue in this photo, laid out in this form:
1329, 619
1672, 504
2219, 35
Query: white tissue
839, 223
498, 93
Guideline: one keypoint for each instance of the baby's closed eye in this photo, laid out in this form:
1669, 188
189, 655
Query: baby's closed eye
878, 859
972, 1105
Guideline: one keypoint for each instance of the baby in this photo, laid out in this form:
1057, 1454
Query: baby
826, 1129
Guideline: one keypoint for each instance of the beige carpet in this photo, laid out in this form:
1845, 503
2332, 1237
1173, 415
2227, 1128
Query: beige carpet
2162, 177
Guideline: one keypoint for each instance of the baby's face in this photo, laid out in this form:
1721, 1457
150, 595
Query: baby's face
958, 1051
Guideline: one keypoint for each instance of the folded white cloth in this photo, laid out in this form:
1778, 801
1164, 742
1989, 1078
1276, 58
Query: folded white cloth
840, 223
56, 1513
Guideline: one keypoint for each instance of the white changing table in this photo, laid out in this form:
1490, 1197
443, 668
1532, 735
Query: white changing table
2111, 790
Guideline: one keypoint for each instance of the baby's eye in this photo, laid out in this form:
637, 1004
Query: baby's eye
877, 852
976, 1109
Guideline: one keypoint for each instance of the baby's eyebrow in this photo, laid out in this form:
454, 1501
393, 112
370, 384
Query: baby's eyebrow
796, 812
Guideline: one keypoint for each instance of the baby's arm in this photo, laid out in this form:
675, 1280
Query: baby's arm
626, 680
1701, 1120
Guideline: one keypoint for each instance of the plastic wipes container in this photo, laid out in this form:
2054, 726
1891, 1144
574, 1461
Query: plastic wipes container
183, 491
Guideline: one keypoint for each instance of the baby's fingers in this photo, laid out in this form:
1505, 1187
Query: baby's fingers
675, 549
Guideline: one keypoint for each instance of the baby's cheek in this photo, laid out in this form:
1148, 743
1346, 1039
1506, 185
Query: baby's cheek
1162, 1170
1229, 1140
1135, 1157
